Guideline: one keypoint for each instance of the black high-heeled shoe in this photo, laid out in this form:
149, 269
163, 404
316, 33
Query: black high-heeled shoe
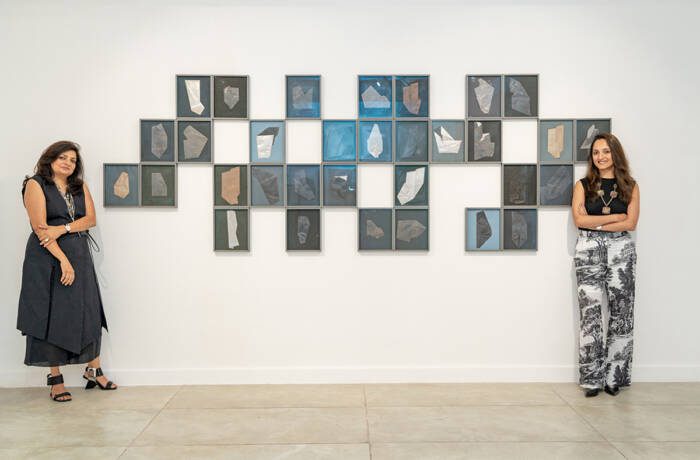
591, 392
52, 380
91, 377
612, 391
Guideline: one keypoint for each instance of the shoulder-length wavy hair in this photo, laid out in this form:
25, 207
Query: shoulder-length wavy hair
43, 166
623, 178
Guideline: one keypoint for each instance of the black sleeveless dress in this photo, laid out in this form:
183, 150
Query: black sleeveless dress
63, 324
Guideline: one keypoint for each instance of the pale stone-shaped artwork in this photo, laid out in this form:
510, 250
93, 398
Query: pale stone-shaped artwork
265, 140
231, 185
484, 95
159, 140
193, 143
520, 100
121, 185
302, 100
518, 233
194, 96
231, 96
232, 225
375, 142
373, 230
483, 147
555, 141
158, 186
556, 185
412, 185
445, 142
302, 185
590, 134
411, 98
483, 229
269, 184
407, 230
373, 100
303, 227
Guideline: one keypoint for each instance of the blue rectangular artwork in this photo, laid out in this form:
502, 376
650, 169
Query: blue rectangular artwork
267, 185
194, 141
303, 185
556, 185
374, 96
483, 229
520, 229
411, 141
411, 96
121, 185
375, 141
339, 185
556, 138
375, 229
267, 141
339, 140
303, 96
411, 185
193, 96
448, 141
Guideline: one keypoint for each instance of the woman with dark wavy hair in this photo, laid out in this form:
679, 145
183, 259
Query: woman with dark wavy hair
605, 208
60, 309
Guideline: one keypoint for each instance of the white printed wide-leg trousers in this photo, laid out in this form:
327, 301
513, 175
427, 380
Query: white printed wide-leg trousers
605, 268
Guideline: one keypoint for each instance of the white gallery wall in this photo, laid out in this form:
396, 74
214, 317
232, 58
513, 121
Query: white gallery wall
180, 313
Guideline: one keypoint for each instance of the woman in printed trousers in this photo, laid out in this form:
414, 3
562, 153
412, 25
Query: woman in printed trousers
605, 208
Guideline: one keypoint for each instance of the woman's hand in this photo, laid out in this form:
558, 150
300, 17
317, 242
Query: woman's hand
47, 234
67, 273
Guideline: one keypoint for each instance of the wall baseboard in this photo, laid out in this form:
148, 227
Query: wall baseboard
344, 375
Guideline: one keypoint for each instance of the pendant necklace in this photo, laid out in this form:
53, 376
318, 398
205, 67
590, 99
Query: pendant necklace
606, 204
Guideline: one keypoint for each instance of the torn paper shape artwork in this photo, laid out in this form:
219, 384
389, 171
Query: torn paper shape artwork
555, 141
518, 233
483, 229
232, 224
303, 186
193, 143
265, 140
556, 185
520, 100
340, 185
590, 134
411, 98
194, 95
231, 96
158, 186
445, 142
483, 147
269, 183
375, 142
373, 230
303, 228
159, 140
412, 185
121, 185
302, 100
484, 95
373, 100
231, 185
407, 230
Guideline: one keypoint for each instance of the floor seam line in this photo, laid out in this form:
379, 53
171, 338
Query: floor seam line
151, 421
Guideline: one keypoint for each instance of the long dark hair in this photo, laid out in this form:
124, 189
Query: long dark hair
625, 182
43, 166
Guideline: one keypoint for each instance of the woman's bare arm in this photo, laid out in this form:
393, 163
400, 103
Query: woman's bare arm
35, 203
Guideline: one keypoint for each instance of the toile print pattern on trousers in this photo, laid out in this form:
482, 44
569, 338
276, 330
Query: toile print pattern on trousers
605, 268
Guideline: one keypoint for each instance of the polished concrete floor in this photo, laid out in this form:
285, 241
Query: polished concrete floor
407, 421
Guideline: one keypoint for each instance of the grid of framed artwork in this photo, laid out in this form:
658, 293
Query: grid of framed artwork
393, 126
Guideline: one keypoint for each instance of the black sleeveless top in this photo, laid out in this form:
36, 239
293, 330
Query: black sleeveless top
595, 207
56, 208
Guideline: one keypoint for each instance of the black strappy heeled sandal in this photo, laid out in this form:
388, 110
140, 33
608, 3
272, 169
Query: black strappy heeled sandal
52, 380
92, 374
